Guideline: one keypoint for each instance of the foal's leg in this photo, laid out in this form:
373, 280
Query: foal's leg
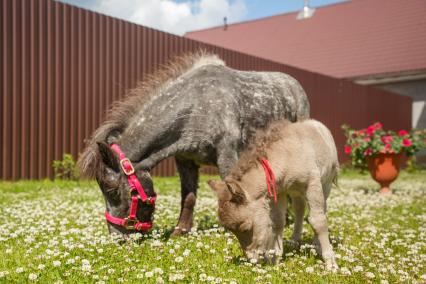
298, 203
317, 219
188, 172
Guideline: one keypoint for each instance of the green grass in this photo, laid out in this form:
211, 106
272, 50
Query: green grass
55, 231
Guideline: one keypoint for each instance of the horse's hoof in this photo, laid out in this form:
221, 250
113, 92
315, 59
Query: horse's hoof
294, 244
179, 232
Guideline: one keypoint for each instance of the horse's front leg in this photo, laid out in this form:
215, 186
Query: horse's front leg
188, 172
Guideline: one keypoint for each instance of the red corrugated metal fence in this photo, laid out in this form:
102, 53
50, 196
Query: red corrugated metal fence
62, 67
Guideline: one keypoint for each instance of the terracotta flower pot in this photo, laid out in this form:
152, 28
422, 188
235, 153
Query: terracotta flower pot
384, 169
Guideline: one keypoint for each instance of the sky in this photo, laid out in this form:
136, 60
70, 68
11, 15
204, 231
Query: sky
181, 16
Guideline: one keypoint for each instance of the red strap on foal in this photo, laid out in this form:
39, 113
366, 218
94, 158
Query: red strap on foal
270, 179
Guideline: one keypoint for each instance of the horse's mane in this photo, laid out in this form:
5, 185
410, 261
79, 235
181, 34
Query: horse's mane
121, 112
258, 148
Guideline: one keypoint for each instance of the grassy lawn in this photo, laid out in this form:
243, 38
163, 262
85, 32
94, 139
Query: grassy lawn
55, 232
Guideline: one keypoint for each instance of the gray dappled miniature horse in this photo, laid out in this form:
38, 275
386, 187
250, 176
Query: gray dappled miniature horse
197, 110
303, 157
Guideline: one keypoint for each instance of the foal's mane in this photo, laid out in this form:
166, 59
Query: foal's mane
120, 114
258, 148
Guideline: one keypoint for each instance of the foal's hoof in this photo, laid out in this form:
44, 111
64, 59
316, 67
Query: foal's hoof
330, 262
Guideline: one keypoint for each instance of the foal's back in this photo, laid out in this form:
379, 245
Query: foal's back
308, 150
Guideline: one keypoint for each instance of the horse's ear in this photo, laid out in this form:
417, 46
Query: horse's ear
108, 156
238, 194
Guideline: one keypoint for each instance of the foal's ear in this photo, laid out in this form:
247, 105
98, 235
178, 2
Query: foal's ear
238, 194
108, 156
219, 187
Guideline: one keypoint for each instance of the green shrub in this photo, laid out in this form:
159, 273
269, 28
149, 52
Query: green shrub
65, 169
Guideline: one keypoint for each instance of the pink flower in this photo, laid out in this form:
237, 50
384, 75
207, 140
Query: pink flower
407, 142
388, 148
370, 130
367, 139
377, 125
368, 152
402, 133
348, 149
386, 139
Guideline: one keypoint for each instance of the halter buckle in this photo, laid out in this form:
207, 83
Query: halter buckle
127, 171
129, 224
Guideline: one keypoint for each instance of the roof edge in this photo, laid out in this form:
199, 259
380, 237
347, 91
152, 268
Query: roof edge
394, 77
266, 17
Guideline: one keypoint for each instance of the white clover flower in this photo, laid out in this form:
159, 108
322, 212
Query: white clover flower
8, 251
171, 251
199, 245
370, 275
384, 281
32, 276
309, 269
186, 252
149, 274
202, 276
70, 261
345, 271
156, 243
158, 270
139, 276
19, 270
358, 268
56, 263
159, 280
41, 266
111, 271
175, 277
179, 259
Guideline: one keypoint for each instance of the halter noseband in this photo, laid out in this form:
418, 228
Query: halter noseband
136, 192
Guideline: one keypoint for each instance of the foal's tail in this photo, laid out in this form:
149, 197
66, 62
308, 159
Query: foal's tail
336, 171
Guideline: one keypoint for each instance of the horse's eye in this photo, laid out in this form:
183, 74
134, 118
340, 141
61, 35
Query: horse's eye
112, 193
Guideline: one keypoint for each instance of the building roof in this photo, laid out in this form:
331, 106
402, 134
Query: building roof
347, 40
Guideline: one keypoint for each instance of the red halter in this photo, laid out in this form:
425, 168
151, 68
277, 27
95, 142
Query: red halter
270, 179
136, 192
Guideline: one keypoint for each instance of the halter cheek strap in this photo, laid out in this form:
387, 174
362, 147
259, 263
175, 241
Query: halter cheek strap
136, 193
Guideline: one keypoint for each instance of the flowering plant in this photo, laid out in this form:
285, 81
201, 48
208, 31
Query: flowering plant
374, 140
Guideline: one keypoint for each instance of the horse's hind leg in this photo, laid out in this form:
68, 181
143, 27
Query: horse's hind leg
188, 172
317, 219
